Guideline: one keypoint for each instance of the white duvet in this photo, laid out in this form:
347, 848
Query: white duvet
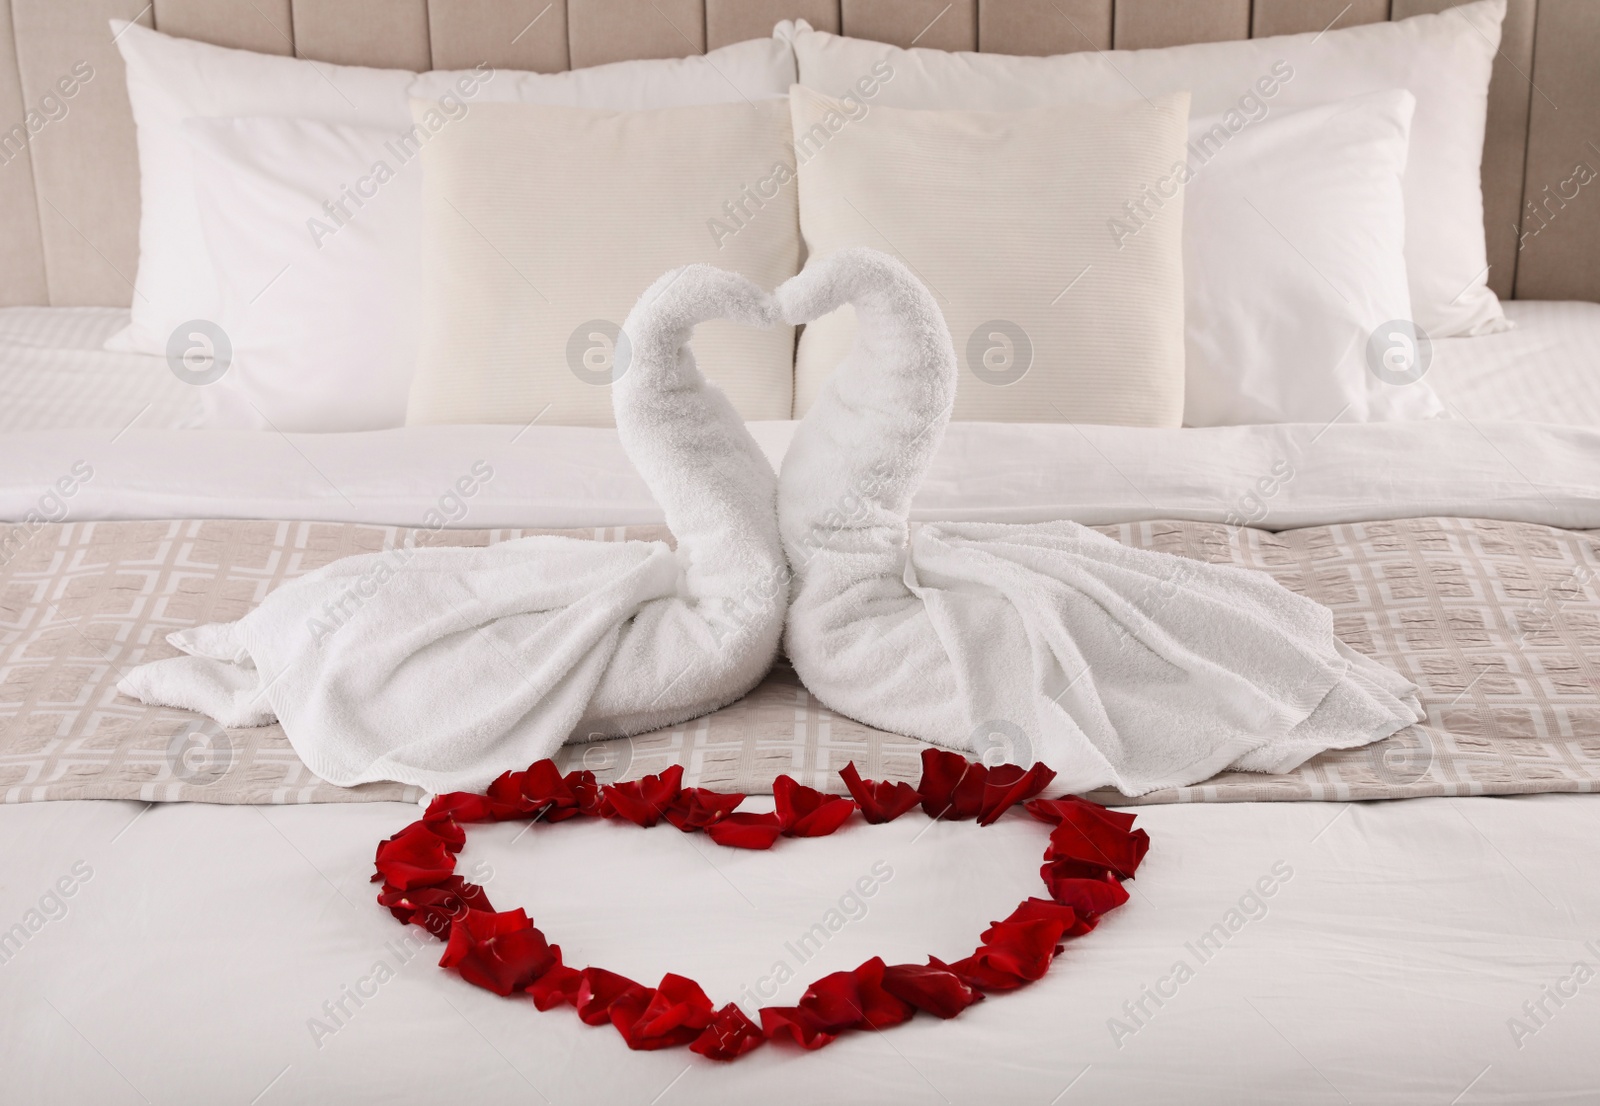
1277, 477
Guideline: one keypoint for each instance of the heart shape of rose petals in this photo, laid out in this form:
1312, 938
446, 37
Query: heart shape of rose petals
1091, 851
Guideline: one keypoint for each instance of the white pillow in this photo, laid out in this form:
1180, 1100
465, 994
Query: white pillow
1294, 255
1005, 217
1444, 60
173, 79
542, 227
314, 229
330, 344
758, 69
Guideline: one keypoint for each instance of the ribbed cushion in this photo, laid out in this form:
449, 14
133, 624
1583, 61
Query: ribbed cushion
543, 225
1008, 219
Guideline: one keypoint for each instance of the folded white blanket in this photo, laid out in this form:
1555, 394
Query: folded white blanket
1114, 666
442, 667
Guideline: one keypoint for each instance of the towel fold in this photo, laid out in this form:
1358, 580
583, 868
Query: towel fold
447, 666
1115, 666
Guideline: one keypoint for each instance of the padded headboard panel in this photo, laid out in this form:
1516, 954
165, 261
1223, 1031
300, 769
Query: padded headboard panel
69, 184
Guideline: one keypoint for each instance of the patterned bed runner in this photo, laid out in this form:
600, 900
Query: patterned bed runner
1499, 623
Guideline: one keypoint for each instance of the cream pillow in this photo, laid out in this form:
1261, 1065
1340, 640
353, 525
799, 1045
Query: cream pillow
542, 226
1007, 218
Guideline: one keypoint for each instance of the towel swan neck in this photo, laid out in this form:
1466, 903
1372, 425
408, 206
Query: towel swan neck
715, 487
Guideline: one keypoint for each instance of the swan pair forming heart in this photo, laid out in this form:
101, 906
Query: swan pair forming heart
1122, 667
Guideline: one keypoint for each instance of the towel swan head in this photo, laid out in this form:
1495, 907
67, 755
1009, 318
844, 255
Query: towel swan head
862, 449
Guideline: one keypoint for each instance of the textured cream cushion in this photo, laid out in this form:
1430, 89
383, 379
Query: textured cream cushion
1007, 219
543, 225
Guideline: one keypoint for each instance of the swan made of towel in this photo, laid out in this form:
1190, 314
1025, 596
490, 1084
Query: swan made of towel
463, 663
1115, 666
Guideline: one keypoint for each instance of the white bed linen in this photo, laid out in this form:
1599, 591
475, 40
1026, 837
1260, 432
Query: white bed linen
999, 472
1545, 370
1385, 968
54, 374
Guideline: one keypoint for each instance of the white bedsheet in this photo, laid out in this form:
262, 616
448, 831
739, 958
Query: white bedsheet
64, 400
1547, 369
54, 374
1273, 476
1385, 969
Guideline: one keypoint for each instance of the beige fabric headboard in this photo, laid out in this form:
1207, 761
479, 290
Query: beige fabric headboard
69, 193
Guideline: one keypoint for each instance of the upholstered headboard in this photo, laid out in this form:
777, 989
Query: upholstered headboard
69, 185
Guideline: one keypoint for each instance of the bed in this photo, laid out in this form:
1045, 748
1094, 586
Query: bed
1413, 920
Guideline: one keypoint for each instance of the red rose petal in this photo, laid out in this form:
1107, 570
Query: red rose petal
696, 808
833, 1003
643, 801
437, 906
730, 1035
1070, 806
674, 1014
1095, 842
1009, 784
506, 800
498, 952
1013, 954
599, 990
798, 1023
952, 786
879, 801
1035, 910
556, 987
806, 812
553, 796
746, 831
1089, 897
880, 1007
459, 806
415, 857
934, 990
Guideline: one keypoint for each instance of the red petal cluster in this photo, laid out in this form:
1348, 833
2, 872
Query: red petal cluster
955, 788
436, 907
1091, 834
498, 952
416, 857
644, 801
696, 808
931, 988
1092, 850
806, 812
730, 1035
844, 1000
801, 812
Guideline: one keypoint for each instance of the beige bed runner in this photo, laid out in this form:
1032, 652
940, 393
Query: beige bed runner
1499, 623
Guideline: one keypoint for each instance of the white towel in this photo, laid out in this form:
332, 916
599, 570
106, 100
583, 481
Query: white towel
457, 664
1115, 666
